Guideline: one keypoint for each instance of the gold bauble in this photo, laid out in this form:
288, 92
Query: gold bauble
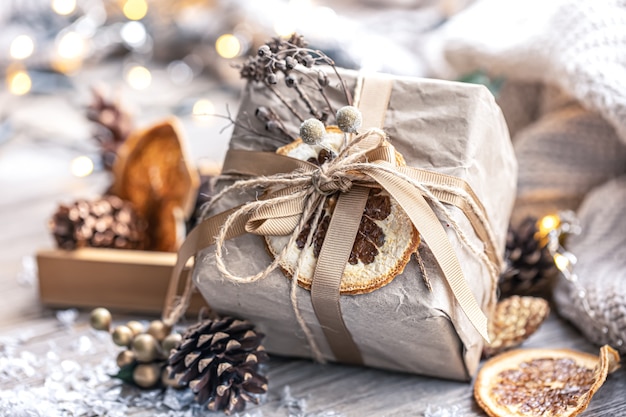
100, 319
136, 327
125, 357
145, 348
122, 336
171, 342
147, 375
159, 330
169, 382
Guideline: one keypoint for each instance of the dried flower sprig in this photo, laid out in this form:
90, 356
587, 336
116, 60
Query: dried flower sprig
288, 57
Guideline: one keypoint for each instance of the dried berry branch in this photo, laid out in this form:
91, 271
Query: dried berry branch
284, 101
289, 56
272, 122
277, 125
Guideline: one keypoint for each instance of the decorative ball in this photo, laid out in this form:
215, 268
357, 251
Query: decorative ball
349, 119
122, 336
145, 347
171, 342
136, 327
312, 131
158, 329
100, 319
147, 375
125, 358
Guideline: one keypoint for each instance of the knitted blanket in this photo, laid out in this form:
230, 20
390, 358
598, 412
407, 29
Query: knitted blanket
564, 98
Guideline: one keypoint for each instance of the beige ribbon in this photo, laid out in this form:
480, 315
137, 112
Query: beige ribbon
369, 161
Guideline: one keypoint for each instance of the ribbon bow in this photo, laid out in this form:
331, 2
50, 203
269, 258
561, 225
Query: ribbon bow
296, 191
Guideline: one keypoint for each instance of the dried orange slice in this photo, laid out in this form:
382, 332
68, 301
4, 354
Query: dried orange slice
542, 382
154, 172
384, 243
514, 320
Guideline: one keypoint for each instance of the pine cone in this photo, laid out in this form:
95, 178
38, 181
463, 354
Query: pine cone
514, 320
530, 267
112, 126
220, 359
108, 222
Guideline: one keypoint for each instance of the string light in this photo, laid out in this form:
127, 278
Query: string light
19, 82
561, 262
63, 7
135, 9
139, 77
547, 224
228, 46
22, 47
81, 166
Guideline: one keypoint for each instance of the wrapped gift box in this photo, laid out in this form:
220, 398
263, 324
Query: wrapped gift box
450, 128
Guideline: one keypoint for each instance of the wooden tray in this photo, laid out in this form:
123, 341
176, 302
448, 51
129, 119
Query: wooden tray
122, 280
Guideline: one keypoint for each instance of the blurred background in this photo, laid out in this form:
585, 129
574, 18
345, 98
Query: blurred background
154, 58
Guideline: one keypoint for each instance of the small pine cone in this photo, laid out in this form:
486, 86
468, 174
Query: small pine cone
108, 222
220, 359
514, 320
112, 125
530, 267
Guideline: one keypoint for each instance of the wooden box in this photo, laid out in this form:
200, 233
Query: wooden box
122, 280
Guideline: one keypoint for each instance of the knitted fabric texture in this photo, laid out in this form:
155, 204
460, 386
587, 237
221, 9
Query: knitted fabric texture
601, 268
564, 100
575, 45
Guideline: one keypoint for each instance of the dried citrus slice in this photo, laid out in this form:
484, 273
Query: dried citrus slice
514, 320
154, 173
542, 382
384, 243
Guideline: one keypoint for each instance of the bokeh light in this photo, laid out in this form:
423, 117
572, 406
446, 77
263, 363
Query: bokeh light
71, 46
63, 7
203, 109
228, 46
134, 33
139, 77
19, 82
22, 47
135, 9
81, 166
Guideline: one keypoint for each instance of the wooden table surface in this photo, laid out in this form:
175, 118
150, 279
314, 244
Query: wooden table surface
47, 131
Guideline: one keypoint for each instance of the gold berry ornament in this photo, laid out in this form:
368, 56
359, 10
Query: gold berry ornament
136, 327
100, 319
171, 342
147, 375
125, 358
145, 347
158, 330
122, 336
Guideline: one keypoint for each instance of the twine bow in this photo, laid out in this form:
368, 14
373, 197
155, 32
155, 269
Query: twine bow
296, 191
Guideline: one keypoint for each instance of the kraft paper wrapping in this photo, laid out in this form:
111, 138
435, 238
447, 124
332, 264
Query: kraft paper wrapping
452, 128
